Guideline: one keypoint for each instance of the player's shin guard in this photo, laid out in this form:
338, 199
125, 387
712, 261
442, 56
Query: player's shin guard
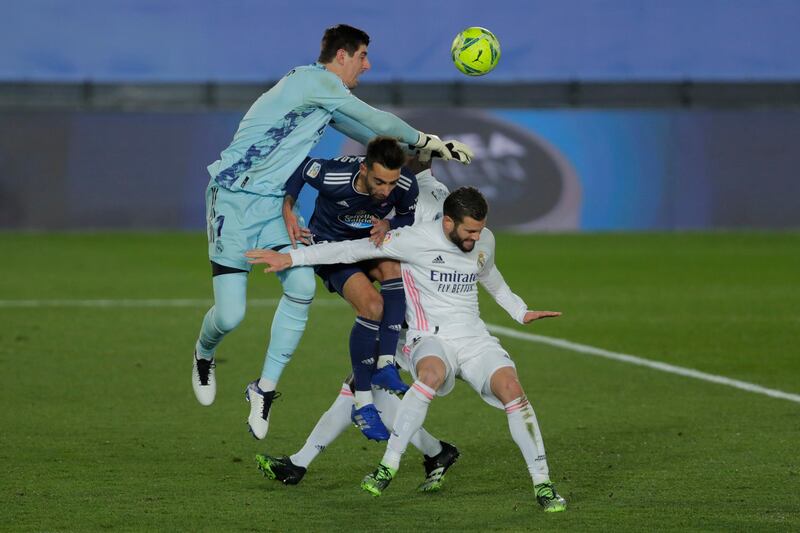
230, 301
525, 432
363, 338
289, 321
410, 416
394, 310
388, 404
335, 420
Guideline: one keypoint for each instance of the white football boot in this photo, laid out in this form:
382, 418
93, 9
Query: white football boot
260, 403
204, 382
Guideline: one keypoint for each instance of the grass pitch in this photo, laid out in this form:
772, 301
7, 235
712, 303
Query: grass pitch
100, 430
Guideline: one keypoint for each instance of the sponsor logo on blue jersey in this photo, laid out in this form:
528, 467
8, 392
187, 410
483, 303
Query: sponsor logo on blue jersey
360, 220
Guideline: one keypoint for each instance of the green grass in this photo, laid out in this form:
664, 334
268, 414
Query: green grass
99, 428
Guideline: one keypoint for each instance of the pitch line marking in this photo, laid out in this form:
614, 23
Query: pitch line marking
133, 303
656, 365
500, 330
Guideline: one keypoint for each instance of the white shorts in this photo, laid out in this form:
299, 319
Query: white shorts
472, 359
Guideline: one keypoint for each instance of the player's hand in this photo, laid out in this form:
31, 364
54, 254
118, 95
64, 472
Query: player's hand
530, 316
459, 151
433, 143
296, 232
276, 260
447, 150
380, 226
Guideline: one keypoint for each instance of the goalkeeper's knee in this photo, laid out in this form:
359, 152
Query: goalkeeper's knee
299, 284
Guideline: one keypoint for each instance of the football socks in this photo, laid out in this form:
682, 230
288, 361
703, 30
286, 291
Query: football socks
410, 416
289, 321
525, 432
363, 338
394, 311
230, 299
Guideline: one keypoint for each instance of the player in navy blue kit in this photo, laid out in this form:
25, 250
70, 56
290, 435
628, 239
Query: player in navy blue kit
355, 196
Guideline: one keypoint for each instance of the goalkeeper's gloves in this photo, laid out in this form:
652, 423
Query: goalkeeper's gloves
446, 150
459, 151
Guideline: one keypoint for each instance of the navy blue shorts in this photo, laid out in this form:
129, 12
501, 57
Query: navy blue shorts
335, 276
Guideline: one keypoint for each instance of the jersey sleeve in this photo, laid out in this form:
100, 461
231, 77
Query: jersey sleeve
406, 207
353, 129
380, 122
325, 89
492, 280
331, 253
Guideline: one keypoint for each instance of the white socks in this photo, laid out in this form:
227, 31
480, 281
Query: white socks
337, 419
332, 424
388, 404
410, 417
525, 432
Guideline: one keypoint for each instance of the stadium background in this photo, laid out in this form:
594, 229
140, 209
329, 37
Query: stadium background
608, 129
617, 115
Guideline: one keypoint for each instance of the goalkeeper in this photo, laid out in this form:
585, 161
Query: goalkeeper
245, 195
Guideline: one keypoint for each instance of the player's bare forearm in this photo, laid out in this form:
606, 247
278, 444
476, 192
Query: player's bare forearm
530, 316
276, 261
296, 233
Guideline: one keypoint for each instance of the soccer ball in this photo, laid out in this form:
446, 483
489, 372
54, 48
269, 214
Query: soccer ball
475, 51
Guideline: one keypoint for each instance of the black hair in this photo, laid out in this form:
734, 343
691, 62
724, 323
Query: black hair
386, 151
465, 202
338, 37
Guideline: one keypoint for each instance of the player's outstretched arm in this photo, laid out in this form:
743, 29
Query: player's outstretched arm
385, 123
352, 128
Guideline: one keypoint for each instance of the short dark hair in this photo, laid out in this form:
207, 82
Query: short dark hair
341, 36
386, 151
465, 202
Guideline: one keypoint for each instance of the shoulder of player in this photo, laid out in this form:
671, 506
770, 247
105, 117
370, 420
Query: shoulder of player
407, 181
316, 73
487, 240
427, 182
414, 232
341, 168
329, 172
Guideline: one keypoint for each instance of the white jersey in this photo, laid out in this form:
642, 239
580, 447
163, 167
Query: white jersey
440, 280
431, 197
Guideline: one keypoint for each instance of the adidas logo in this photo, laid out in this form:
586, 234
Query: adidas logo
370, 361
395, 327
438, 260
343, 203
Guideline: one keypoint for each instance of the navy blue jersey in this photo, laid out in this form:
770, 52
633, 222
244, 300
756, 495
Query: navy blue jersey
341, 213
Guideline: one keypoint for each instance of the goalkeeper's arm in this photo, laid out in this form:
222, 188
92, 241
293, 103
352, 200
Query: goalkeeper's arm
352, 128
383, 123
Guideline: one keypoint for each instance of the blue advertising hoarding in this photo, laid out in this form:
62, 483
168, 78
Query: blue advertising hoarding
558, 170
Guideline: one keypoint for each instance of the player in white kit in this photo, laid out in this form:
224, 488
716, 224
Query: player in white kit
442, 263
